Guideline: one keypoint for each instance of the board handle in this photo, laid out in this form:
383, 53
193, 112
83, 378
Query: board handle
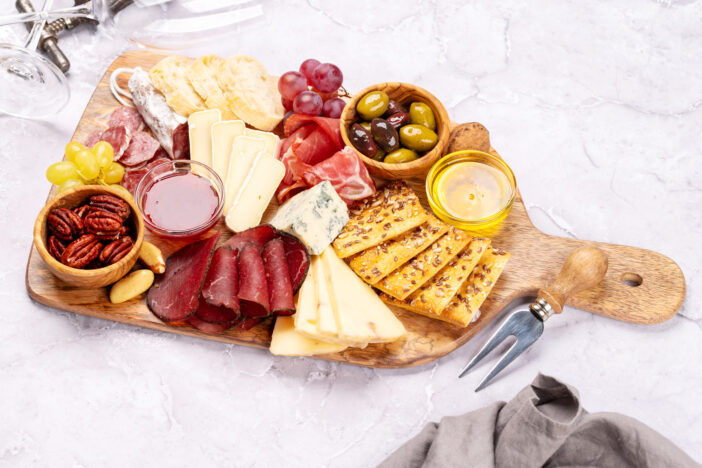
582, 270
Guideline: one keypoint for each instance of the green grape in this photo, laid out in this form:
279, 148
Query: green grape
104, 154
72, 149
60, 172
114, 173
87, 164
70, 183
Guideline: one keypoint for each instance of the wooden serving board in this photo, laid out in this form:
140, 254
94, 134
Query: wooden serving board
641, 286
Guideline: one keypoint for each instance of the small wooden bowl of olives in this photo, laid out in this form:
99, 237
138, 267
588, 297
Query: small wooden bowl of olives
399, 130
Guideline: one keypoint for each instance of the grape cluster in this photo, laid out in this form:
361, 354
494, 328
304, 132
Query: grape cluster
84, 166
314, 90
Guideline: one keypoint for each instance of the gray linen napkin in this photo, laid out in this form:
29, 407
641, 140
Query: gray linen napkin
544, 425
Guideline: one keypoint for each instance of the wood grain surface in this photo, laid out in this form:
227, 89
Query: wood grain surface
640, 286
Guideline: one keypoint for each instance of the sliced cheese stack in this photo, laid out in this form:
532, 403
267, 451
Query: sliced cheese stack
335, 309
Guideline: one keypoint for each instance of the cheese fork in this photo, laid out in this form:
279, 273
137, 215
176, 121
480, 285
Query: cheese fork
583, 269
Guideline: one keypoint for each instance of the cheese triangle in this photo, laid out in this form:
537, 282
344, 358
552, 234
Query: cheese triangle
286, 341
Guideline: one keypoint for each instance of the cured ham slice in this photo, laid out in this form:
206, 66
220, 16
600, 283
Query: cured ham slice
208, 327
346, 173
119, 137
253, 287
222, 281
215, 314
175, 294
128, 117
259, 235
298, 259
329, 125
280, 291
142, 147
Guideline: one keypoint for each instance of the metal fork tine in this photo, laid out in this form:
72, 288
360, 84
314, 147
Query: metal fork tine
498, 337
522, 343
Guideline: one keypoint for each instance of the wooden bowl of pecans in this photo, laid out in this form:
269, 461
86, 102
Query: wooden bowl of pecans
89, 236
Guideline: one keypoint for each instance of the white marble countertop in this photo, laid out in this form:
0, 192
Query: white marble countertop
596, 106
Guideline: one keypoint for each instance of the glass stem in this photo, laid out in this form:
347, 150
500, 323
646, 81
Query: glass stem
32, 41
79, 11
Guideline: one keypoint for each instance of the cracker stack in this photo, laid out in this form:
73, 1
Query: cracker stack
418, 262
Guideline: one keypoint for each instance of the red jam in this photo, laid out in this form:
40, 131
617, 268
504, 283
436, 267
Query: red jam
180, 202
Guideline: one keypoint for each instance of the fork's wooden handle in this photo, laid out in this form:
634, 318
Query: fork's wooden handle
583, 269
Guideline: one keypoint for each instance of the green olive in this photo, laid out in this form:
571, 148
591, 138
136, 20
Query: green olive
379, 155
417, 137
401, 155
372, 105
421, 114
366, 125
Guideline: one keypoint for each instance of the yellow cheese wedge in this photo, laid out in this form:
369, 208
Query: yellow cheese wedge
327, 325
200, 129
255, 194
286, 341
223, 134
305, 317
245, 150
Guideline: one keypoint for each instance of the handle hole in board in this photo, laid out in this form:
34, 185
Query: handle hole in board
632, 279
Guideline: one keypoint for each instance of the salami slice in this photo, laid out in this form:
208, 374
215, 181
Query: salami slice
142, 148
280, 291
175, 294
222, 281
181, 142
127, 117
93, 138
208, 327
253, 287
298, 259
259, 235
119, 137
214, 314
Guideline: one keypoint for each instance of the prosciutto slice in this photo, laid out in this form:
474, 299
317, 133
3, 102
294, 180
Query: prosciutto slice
346, 173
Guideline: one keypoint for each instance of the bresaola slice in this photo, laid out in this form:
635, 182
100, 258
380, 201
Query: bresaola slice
208, 327
298, 259
280, 291
259, 235
175, 294
215, 314
253, 287
221, 285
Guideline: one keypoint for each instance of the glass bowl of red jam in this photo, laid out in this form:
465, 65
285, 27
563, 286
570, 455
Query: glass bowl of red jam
180, 199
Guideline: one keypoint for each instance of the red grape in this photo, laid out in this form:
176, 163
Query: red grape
291, 84
287, 103
308, 67
327, 78
333, 107
308, 103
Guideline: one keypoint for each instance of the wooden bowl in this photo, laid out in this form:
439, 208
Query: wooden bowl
98, 277
405, 94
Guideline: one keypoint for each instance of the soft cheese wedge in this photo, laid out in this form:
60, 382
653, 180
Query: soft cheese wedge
286, 341
245, 151
200, 130
255, 193
271, 141
223, 134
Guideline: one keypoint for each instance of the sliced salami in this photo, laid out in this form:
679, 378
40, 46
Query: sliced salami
131, 179
93, 138
253, 287
298, 259
214, 314
175, 294
181, 142
259, 235
280, 291
142, 147
119, 137
208, 327
128, 117
222, 281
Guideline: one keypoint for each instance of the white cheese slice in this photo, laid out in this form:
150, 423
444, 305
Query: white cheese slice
255, 193
271, 139
223, 134
200, 130
245, 151
286, 341
316, 216
327, 326
305, 317
361, 315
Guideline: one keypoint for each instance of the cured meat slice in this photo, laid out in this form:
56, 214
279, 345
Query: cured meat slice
175, 294
142, 148
298, 259
93, 138
280, 291
208, 327
169, 128
222, 281
249, 322
301, 133
128, 117
346, 173
253, 287
215, 314
119, 137
131, 179
329, 125
316, 147
258, 235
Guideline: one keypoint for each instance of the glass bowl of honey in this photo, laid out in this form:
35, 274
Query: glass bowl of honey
471, 190
180, 199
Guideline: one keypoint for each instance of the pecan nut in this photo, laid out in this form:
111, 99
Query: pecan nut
81, 252
83, 211
116, 250
55, 246
104, 224
64, 223
112, 204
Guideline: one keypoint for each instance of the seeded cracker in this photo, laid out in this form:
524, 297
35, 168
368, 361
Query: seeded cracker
374, 264
392, 211
409, 277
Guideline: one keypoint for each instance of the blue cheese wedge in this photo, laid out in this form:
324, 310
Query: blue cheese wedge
316, 216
